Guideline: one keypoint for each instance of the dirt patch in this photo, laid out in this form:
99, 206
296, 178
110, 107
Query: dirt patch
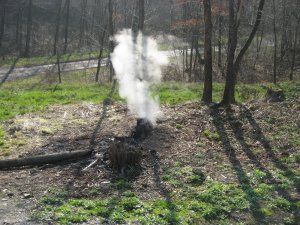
218, 141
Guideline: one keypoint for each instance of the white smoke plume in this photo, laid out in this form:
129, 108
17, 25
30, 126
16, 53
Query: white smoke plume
137, 63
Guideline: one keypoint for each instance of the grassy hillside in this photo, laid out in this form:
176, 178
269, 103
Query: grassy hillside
212, 166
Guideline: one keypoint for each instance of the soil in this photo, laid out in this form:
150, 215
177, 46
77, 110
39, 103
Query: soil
176, 138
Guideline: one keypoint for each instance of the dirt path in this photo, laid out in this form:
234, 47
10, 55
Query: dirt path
12, 73
36, 70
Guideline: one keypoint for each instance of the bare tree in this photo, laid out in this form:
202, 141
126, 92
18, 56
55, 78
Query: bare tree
19, 26
29, 29
233, 65
111, 34
296, 36
275, 44
66, 26
141, 7
2, 25
207, 92
57, 25
82, 26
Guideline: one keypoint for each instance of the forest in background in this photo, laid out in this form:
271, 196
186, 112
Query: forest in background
221, 146
35, 28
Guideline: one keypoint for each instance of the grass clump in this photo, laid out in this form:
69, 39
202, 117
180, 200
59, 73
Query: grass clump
179, 126
222, 199
212, 136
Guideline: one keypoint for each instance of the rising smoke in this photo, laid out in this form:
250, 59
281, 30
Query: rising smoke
137, 63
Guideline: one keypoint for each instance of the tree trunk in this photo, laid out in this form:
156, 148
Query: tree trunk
251, 36
58, 69
29, 30
102, 39
284, 27
207, 92
234, 66
191, 59
220, 22
2, 28
228, 96
111, 34
82, 23
258, 46
67, 26
141, 14
19, 28
275, 45
294, 49
57, 25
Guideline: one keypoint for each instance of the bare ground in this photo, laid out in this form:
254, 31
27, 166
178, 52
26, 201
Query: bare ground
246, 138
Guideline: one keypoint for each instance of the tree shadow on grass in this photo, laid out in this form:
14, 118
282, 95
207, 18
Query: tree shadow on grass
12, 67
155, 143
261, 138
155, 163
237, 129
230, 152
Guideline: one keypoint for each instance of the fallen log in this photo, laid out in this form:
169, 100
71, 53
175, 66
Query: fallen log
43, 159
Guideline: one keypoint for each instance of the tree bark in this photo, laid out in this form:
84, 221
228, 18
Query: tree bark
58, 68
275, 45
207, 92
57, 25
228, 96
82, 23
102, 39
19, 28
191, 59
67, 26
29, 30
111, 34
2, 26
294, 49
141, 4
220, 22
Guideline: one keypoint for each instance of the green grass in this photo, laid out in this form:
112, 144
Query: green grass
212, 202
32, 94
173, 93
42, 60
18, 102
20, 97
2, 135
192, 201
35, 94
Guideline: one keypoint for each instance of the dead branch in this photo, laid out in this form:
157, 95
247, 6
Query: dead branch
43, 159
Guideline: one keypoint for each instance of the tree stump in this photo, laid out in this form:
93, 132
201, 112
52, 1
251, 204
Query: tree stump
275, 95
124, 153
143, 128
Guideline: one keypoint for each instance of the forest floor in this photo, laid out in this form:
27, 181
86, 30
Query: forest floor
200, 165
